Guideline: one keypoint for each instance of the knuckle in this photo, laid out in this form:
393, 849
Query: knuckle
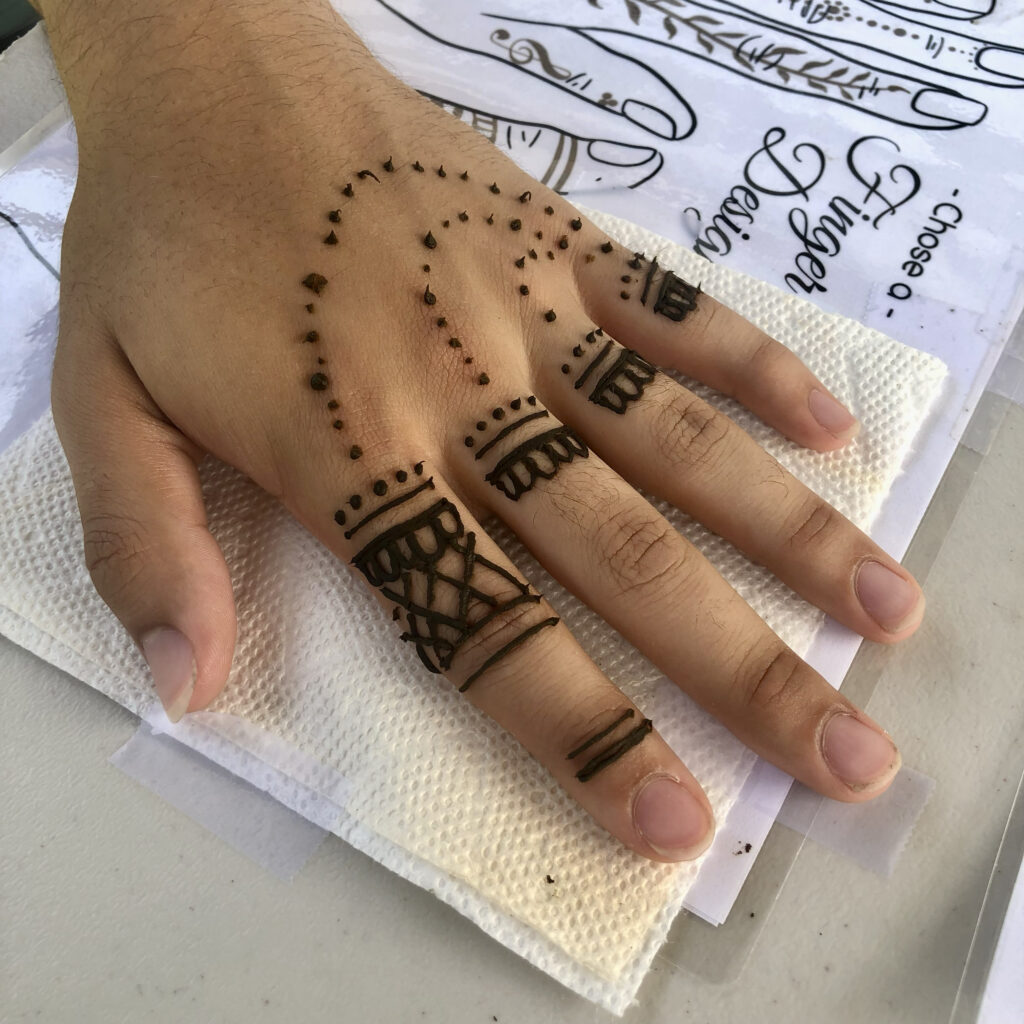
644, 553
813, 526
691, 434
115, 551
769, 678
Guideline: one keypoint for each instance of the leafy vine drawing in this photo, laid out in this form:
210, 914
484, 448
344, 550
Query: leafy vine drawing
751, 54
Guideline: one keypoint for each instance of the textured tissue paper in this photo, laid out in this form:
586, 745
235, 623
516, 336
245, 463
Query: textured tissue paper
325, 711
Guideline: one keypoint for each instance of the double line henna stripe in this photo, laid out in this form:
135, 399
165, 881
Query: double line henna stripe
582, 379
647, 281
508, 430
628, 713
510, 646
400, 500
611, 754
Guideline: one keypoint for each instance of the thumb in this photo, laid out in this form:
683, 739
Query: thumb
147, 546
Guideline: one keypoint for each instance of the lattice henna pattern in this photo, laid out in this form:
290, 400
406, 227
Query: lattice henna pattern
410, 555
623, 382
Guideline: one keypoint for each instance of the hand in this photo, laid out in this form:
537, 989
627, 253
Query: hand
280, 255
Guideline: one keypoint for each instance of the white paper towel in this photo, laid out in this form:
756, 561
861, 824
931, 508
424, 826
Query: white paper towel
325, 709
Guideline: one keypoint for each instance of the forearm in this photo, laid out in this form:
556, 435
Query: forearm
149, 60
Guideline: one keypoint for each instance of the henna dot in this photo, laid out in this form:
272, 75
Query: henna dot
526, 196
468, 359
464, 175
591, 337
515, 224
532, 253
532, 400
490, 219
315, 283
523, 290
380, 488
331, 239
368, 174
623, 295
563, 242
426, 268
355, 452
319, 382
418, 469
589, 258
355, 501
607, 247
337, 424
339, 517
441, 172
312, 337
539, 234
549, 210
417, 166
442, 321
498, 414
388, 165
446, 223
396, 614
550, 316
598, 330
495, 189
565, 368
401, 476
428, 296
746, 237
463, 216
577, 350
551, 255
484, 379
521, 262
332, 404
468, 442
481, 425
310, 307
576, 224
334, 216
455, 343
625, 279
429, 240
348, 190
636, 263
321, 361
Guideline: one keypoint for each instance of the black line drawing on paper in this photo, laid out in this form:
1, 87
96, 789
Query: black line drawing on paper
28, 244
903, 62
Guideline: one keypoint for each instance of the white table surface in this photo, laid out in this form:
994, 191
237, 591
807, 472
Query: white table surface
115, 907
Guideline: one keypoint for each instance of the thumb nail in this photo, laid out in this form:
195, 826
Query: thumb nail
948, 105
169, 656
650, 118
619, 154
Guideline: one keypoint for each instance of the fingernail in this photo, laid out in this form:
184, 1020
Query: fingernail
169, 656
832, 415
948, 105
651, 118
859, 756
618, 154
892, 601
670, 819
1001, 61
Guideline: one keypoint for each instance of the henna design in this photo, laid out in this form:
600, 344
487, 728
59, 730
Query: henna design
582, 379
368, 174
623, 382
676, 297
550, 316
536, 459
610, 754
428, 296
388, 165
315, 283
334, 216
510, 429
427, 484
407, 558
417, 166
319, 382
441, 172
331, 239
348, 190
